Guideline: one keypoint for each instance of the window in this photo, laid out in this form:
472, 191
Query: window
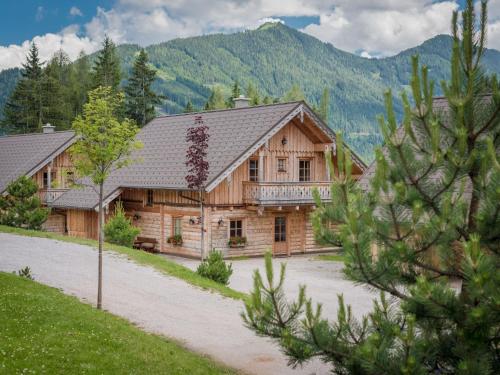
282, 164
304, 170
46, 179
253, 169
236, 228
149, 197
280, 229
177, 226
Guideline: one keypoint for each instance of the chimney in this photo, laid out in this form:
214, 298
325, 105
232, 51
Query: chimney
241, 102
48, 129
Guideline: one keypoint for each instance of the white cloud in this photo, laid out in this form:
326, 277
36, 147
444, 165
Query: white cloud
382, 30
68, 40
372, 28
75, 11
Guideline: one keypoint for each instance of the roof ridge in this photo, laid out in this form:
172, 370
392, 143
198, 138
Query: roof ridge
31, 134
226, 109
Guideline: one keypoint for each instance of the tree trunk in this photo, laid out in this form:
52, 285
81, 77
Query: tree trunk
101, 241
202, 224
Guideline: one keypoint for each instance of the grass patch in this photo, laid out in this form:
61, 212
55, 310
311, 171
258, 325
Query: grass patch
331, 257
160, 263
43, 331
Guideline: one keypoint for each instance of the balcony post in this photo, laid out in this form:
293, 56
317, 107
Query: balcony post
261, 167
327, 148
49, 183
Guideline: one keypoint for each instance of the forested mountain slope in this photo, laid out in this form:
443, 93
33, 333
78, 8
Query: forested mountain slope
274, 57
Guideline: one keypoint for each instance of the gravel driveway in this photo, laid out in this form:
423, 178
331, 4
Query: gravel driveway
323, 279
204, 322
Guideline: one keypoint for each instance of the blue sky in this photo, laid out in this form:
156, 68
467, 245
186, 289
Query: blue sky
372, 28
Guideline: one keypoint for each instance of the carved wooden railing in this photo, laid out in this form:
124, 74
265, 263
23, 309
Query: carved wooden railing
47, 196
281, 193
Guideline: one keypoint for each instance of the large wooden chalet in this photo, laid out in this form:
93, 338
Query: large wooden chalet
264, 163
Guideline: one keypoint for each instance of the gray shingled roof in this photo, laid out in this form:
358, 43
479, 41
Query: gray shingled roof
28, 153
162, 159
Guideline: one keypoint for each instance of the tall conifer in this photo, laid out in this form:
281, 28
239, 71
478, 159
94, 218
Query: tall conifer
106, 70
140, 97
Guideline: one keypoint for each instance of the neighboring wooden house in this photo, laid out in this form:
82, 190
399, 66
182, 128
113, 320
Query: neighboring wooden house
264, 163
44, 157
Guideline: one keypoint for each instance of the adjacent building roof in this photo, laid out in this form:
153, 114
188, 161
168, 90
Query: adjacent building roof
28, 153
235, 134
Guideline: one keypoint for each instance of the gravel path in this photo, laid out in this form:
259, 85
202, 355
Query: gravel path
204, 322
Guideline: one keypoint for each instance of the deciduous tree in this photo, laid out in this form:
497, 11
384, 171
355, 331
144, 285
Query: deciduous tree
198, 166
104, 144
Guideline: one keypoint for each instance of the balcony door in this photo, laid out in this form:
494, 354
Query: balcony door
280, 246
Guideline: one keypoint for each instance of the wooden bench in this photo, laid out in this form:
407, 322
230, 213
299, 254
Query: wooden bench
146, 244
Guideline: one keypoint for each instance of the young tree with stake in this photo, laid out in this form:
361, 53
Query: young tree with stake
104, 144
197, 138
433, 213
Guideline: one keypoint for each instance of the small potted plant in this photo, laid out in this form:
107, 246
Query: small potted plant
175, 240
237, 241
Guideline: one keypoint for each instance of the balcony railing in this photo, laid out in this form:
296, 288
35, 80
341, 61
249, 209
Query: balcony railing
47, 196
283, 193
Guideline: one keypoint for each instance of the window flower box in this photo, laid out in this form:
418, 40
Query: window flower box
237, 241
175, 240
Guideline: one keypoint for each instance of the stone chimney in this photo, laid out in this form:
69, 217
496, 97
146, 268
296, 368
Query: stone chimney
48, 129
241, 102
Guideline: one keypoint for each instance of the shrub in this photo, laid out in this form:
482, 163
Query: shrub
21, 207
26, 273
215, 268
119, 229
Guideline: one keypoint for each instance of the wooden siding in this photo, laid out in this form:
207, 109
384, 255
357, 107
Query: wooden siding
83, 224
61, 165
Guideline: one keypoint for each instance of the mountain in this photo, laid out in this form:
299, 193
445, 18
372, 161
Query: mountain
274, 57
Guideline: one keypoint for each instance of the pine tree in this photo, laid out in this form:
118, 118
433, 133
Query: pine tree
235, 93
323, 105
140, 98
426, 235
23, 111
253, 94
21, 207
106, 70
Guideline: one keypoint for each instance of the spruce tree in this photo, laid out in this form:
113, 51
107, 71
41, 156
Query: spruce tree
323, 105
106, 70
140, 98
426, 234
23, 112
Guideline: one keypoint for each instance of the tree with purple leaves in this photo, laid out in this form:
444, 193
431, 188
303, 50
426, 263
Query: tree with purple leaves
197, 138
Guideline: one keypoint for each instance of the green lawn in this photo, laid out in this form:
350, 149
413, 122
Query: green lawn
43, 331
331, 257
160, 263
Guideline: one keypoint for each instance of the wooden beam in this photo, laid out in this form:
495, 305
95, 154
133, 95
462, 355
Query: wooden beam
162, 225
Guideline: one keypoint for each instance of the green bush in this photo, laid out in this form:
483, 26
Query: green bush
215, 268
21, 207
119, 229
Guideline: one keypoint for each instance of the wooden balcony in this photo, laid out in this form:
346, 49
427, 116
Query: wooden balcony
283, 193
47, 196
